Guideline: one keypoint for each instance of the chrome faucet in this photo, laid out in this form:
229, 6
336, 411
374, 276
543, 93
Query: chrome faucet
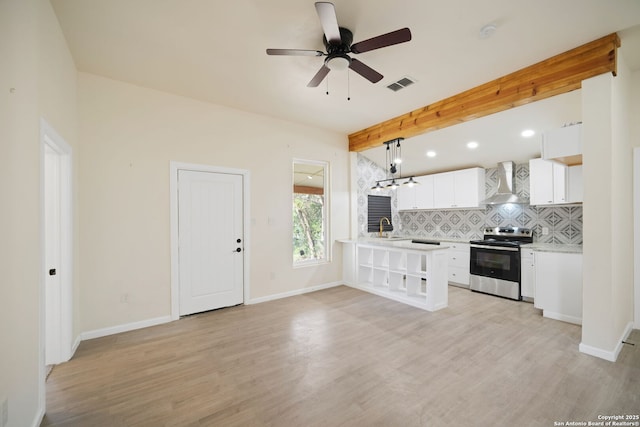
381, 228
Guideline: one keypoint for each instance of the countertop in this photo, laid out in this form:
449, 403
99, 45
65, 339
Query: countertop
402, 243
550, 247
405, 242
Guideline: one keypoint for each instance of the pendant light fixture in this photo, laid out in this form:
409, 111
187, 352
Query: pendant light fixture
411, 182
394, 160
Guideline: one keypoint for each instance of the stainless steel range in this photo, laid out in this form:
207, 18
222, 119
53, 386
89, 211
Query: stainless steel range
495, 261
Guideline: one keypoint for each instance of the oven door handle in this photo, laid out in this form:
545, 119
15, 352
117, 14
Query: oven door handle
496, 248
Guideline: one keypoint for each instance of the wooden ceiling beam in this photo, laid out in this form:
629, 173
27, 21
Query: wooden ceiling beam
559, 74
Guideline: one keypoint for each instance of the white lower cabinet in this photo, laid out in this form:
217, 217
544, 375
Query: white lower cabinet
558, 285
459, 258
415, 277
527, 274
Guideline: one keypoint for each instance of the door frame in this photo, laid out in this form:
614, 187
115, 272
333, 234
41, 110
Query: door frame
49, 137
174, 167
636, 221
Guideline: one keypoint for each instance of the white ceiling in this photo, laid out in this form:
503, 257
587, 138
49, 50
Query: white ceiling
215, 51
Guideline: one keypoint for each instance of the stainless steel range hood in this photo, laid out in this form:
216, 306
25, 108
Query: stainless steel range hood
506, 186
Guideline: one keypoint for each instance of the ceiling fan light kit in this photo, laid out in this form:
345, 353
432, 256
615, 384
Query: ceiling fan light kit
338, 43
338, 62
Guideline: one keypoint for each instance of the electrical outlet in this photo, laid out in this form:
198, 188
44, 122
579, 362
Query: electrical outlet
545, 231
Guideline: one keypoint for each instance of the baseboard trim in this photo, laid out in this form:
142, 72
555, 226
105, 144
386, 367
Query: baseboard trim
98, 333
39, 417
75, 345
562, 317
293, 293
611, 356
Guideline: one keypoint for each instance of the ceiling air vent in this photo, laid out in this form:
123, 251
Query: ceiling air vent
401, 84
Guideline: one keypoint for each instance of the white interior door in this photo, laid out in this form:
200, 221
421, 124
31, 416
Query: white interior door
53, 285
211, 241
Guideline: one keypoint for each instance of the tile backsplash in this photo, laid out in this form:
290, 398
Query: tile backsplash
563, 224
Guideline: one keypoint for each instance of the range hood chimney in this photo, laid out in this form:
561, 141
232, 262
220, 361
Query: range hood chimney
506, 186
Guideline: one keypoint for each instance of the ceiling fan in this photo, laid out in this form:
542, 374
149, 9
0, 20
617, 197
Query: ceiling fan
337, 41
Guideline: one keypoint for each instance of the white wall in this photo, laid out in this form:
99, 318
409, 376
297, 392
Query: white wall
129, 135
19, 215
31, 47
608, 250
635, 142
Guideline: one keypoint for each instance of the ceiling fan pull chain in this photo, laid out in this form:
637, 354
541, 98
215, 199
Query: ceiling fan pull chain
327, 85
348, 85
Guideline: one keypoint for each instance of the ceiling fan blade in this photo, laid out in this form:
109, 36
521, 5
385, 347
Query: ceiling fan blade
389, 39
329, 21
365, 71
319, 77
294, 52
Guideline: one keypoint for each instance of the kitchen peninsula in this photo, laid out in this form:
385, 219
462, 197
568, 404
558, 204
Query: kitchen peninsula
412, 273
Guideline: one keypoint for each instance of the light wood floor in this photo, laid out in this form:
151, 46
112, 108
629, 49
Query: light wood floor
341, 357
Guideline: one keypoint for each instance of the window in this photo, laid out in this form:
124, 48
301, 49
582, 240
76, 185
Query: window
310, 201
379, 207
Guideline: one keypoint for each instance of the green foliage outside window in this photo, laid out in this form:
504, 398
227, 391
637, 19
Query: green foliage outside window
308, 233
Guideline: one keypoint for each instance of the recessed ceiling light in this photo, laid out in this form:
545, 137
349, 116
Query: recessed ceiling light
472, 145
528, 133
431, 153
309, 177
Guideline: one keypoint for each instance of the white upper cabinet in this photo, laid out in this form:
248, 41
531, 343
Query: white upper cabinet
459, 189
548, 182
406, 197
419, 196
562, 143
469, 188
444, 190
575, 189
424, 192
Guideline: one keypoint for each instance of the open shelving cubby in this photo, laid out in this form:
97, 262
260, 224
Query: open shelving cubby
404, 274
